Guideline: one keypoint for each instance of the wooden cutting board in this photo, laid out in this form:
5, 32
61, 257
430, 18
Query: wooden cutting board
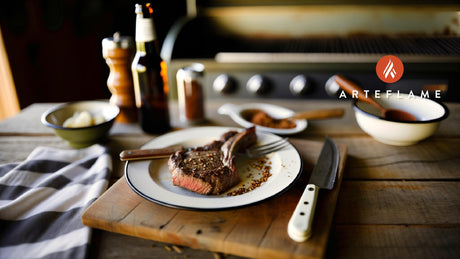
254, 231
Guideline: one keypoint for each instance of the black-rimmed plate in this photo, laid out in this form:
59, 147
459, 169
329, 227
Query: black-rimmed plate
151, 179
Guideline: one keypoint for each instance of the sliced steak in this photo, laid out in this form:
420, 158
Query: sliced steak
211, 169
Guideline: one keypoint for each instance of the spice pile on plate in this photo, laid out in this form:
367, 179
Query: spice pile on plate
264, 166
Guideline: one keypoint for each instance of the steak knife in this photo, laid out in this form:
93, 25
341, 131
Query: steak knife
143, 154
323, 176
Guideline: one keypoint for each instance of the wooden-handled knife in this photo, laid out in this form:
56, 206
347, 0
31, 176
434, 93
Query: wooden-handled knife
144, 154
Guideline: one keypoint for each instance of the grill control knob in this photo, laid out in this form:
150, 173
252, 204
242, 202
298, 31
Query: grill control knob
258, 85
331, 87
223, 84
299, 85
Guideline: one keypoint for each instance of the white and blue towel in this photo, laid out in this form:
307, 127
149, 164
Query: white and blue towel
42, 200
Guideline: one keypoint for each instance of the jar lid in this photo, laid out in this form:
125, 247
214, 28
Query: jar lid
118, 42
195, 69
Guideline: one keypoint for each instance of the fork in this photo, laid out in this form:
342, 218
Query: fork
266, 149
253, 152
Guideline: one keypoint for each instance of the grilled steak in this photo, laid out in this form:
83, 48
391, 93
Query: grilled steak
210, 169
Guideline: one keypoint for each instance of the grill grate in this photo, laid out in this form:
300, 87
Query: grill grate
206, 45
361, 45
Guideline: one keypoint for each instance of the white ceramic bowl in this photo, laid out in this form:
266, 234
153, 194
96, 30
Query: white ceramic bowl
429, 114
278, 112
83, 136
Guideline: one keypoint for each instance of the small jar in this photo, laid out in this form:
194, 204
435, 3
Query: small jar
190, 94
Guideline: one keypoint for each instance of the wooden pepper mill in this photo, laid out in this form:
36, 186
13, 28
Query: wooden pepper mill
118, 51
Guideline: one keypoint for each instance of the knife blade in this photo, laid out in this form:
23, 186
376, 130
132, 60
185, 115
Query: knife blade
323, 176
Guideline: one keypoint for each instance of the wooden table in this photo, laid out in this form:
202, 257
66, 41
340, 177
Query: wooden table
394, 202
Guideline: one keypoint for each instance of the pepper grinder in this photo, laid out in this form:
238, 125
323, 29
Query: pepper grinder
118, 51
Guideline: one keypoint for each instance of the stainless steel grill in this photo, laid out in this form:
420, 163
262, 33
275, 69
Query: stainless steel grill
291, 52
371, 45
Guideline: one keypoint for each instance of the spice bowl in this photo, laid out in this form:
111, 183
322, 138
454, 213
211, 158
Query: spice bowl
236, 113
80, 137
428, 113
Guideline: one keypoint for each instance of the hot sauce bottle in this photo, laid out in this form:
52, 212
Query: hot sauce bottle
149, 75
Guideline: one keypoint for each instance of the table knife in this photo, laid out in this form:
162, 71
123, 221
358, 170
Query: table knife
143, 154
323, 176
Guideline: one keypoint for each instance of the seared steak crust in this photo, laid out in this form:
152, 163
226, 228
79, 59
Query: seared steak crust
217, 144
210, 169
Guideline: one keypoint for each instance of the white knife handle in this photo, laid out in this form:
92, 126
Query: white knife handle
300, 224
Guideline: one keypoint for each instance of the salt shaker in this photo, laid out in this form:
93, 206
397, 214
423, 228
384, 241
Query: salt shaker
190, 94
118, 51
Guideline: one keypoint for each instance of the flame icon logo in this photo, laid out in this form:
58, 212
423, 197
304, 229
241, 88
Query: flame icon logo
389, 69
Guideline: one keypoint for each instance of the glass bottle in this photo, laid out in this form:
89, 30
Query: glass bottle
149, 75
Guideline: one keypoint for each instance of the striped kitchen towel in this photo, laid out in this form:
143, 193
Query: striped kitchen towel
42, 200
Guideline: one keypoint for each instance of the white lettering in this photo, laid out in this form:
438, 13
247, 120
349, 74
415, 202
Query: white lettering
388, 93
437, 94
411, 95
366, 92
354, 94
378, 94
425, 94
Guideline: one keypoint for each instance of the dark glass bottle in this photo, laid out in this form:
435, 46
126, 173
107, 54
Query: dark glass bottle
149, 75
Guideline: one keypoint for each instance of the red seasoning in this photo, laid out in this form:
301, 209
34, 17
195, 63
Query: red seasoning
190, 94
263, 165
261, 118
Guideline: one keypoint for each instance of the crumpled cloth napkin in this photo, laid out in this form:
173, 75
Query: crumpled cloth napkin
42, 200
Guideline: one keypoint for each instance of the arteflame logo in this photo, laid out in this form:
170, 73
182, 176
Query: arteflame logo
389, 69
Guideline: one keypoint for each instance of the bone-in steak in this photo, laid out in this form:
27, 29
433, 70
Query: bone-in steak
211, 169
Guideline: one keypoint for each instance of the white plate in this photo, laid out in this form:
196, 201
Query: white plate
275, 111
152, 180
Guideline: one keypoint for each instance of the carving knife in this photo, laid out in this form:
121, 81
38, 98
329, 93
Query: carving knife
323, 176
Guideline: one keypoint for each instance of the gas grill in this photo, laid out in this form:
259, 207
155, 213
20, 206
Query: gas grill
282, 52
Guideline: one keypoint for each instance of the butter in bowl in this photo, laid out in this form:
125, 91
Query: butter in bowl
81, 123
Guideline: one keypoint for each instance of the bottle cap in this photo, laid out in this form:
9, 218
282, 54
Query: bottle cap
117, 42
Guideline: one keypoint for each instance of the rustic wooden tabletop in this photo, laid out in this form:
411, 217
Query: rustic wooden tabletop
394, 202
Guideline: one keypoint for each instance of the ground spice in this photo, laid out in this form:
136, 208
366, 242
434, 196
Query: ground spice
261, 118
191, 94
194, 110
262, 164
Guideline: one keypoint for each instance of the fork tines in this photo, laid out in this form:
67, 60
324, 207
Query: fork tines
267, 148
